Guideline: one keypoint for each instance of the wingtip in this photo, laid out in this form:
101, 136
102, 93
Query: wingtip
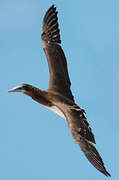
50, 29
52, 6
107, 174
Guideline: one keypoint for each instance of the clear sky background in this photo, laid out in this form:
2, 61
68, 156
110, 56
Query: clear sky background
36, 144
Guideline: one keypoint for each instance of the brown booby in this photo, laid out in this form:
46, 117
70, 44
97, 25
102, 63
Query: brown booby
59, 97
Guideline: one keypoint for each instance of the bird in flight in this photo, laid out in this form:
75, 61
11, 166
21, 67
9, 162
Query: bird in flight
58, 97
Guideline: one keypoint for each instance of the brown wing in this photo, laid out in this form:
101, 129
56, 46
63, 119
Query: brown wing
92, 155
59, 78
84, 137
78, 124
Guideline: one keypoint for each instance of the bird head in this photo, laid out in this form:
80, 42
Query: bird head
22, 88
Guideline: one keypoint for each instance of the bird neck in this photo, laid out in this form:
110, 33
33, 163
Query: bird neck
39, 96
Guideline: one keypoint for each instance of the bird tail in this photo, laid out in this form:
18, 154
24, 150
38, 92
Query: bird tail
51, 32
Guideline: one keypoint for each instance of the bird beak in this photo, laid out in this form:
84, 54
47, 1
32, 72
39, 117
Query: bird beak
17, 89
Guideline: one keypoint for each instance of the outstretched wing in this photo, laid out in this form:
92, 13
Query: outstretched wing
84, 137
92, 155
59, 78
78, 124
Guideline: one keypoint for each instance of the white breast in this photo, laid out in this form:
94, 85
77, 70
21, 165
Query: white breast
57, 111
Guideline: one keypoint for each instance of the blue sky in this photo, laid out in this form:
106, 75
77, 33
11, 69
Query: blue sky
34, 142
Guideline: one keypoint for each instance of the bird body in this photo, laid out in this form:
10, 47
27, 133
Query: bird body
58, 97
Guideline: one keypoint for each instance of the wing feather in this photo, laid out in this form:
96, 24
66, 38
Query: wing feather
59, 77
92, 155
84, 137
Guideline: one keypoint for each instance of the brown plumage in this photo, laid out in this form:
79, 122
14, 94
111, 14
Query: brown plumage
59, 97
